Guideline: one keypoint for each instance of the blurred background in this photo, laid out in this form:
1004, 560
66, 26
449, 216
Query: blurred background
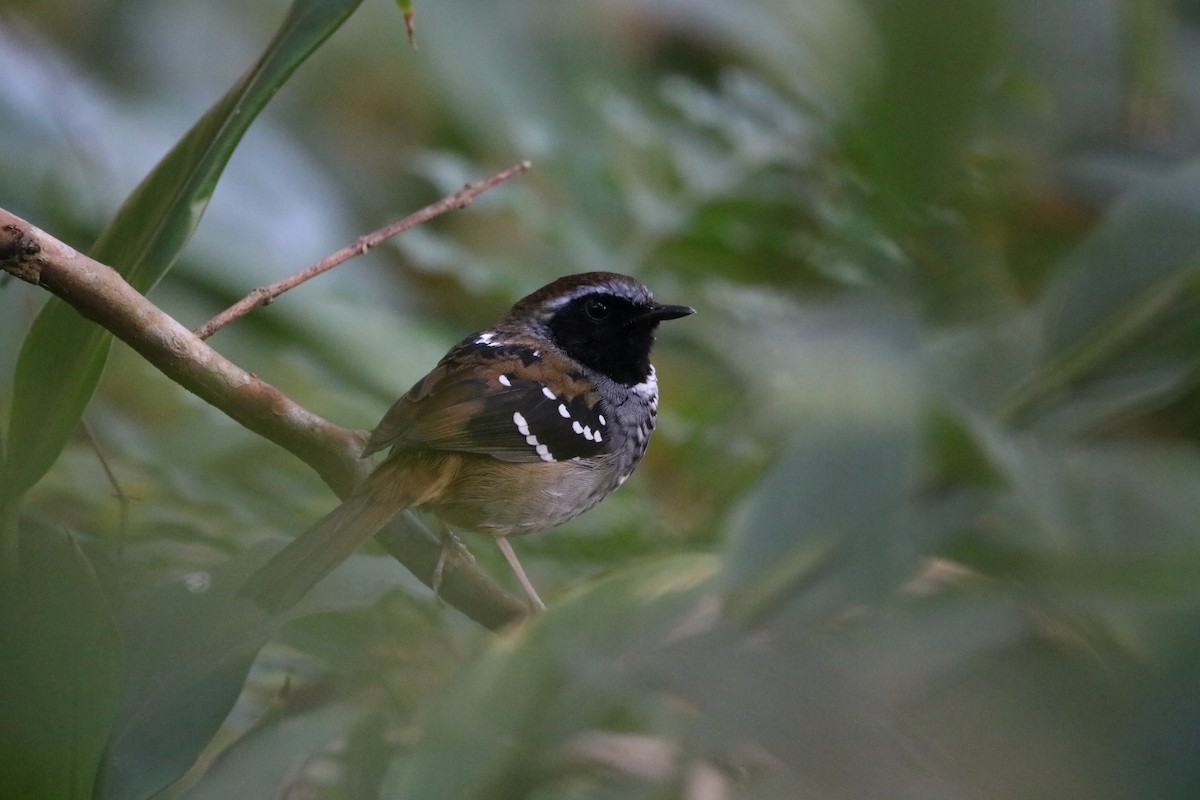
922, 513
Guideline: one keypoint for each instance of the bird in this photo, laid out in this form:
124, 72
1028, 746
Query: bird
518, 428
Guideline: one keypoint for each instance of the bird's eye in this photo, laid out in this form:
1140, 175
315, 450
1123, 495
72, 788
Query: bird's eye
596, 309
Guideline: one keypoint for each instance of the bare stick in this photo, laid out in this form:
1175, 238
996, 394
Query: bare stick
265, 295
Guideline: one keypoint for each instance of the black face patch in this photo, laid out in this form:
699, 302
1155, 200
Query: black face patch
605, 332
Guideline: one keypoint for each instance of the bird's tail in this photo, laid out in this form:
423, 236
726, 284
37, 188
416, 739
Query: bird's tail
281, 582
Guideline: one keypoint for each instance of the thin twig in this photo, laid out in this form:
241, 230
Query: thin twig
265, 295
123, 499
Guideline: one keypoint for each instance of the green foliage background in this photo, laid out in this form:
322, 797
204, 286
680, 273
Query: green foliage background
922, 515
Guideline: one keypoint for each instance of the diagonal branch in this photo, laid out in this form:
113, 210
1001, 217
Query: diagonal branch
100, 294
264, 295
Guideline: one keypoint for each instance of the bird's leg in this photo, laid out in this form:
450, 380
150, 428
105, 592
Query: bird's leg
451, 544
526, 584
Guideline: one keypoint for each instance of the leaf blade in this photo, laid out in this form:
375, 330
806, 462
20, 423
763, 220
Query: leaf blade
63, 355
59, 671
1117, 283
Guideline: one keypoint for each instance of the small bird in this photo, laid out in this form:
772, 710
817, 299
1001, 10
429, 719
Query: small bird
518, 428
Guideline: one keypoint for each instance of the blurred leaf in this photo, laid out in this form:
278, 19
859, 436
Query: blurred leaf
935, 58
60, 662
189, 646
1106, 501
1148, 27
933, 699
259, 765
1112, 400
529, 692
956, 458
1040, 718
368, 749
64, 355
806, 700
358, 582
1119, 281
851, 385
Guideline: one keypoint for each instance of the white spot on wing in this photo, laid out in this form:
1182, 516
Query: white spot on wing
488, 337
504, 380
546, 391
531, 439
562, 411
520, 422
602, 422
575, 426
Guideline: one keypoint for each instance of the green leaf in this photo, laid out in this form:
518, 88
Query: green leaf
1130, 393
1118, 501
834, 504
808, 702
259, 764
496, 728
64, 355
189, 646
907, 139
1119, 281
60, 662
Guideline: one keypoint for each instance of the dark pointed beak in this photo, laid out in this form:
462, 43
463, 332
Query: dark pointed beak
661, 313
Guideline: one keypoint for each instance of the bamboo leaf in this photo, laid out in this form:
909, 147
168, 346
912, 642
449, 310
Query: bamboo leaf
189, 646
60, 664
63, 355
1118, 282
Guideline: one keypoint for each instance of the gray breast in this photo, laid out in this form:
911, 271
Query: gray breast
635, 409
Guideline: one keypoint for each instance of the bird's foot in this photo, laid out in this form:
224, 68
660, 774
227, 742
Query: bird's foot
452, 547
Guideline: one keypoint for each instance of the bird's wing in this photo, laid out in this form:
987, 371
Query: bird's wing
515, 402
